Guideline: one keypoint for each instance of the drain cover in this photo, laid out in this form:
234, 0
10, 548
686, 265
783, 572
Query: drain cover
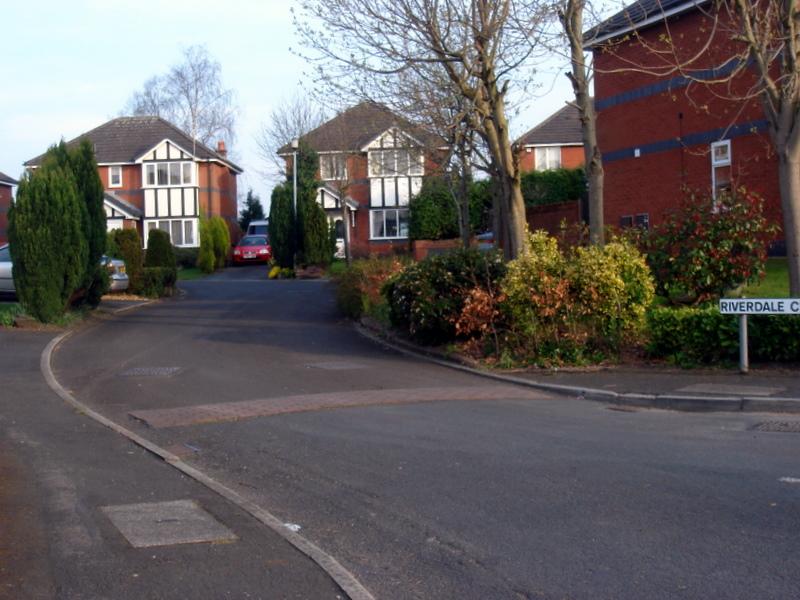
778, 426
150, 372
167, 523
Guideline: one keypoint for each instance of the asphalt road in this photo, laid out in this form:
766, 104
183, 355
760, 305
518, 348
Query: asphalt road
508, 495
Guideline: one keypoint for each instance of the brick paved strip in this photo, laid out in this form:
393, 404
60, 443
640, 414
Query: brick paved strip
265, 407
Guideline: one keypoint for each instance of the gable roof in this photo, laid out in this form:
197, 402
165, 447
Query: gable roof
356, 127
562, 127
6, 180
125, 139
638, 15
121, 205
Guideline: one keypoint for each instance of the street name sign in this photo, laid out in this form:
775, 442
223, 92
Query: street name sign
759, 306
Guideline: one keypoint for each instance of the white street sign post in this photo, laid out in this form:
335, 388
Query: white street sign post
755, 306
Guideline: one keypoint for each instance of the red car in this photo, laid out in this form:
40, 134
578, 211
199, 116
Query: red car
251, 249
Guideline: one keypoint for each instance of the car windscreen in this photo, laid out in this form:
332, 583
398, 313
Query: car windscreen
5, 254
253, 240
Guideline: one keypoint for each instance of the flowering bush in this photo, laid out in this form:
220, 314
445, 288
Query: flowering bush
358, 289
427, 298
708, 245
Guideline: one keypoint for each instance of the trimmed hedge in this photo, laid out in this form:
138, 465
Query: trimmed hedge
186, 258
553, 186
129, 245
703, 335
159, 250
158, 281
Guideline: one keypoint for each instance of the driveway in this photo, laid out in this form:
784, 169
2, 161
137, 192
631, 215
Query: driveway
431, 483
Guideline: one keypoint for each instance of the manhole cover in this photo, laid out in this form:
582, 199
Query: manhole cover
150, 372
167, 523
337, 366
778, 426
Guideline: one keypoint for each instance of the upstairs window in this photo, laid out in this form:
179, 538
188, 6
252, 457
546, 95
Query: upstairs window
548, 158
332, 167
169, 174
721, 167
394, 163
115, 176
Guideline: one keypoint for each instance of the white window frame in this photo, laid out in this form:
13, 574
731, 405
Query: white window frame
328, 160
111, 170
415, 168
155, 224
548, 159
721, 163
396, 210
181, 163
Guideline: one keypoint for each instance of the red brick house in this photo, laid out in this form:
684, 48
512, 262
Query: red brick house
6, 188
157, 176
554, 143
660, 135
377, 160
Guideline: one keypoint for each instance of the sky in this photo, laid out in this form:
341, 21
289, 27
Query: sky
71, 66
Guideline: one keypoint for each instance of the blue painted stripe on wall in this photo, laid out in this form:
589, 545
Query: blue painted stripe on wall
703, 137
667, 85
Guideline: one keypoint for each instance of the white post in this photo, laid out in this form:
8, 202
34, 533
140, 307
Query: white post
744, 363
295, 145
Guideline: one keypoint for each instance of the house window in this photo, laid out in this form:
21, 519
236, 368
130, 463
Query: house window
182, 232
164, 174
720, 167
115, 176
391, 163
332, 167
548, 158
390, 223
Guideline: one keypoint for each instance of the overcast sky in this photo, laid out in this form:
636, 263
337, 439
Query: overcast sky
71, 66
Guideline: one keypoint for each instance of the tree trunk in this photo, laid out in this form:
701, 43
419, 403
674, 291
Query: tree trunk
348, 256
789, 176
463, 205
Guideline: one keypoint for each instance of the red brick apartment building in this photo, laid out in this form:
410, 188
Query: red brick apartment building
157, 176
6, 187
377, 160
663, 133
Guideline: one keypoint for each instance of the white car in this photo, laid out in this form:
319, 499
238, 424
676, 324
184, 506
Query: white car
118, 279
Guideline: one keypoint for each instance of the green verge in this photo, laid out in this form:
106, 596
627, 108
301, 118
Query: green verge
190, 273
9, 310
775, 284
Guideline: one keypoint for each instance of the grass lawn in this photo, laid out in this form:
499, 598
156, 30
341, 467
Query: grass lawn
189, 273
774, 285
337, 267
8, 310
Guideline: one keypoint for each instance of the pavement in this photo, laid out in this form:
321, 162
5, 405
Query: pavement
765, 388
85, 513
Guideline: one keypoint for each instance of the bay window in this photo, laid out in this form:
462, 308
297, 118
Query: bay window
389, 223
182, 232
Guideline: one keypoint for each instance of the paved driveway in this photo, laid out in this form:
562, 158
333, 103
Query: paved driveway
431, 483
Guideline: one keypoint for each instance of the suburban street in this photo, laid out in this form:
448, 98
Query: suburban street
422, 481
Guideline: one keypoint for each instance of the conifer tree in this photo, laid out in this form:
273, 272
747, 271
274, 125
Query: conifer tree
252, 211
282, 226
48, 248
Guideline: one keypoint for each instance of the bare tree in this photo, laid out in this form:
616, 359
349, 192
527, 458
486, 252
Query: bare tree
289, 120
479, 45
192, 96
571, 16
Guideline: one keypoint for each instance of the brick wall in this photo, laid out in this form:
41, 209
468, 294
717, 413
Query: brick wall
550, 216
653, 120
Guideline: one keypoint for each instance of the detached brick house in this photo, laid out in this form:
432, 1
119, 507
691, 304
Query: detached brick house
6, 185
376, 160
554, 143
662, 134
157, 176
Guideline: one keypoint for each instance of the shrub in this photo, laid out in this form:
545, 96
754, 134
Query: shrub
571, 307
427, 298
691, 335
159, 250
433, 214
708, 246
281, 226
112, 250
221, 239
206, 260
158, 281
186, 258
316, 236
553, 186
47, 244
130, 250
358, 287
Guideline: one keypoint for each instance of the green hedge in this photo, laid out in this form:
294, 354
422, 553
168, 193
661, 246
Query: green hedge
186, 257
553, 186
704, 335
158, 281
